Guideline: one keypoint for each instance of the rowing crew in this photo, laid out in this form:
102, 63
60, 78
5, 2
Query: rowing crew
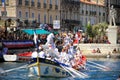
68, 55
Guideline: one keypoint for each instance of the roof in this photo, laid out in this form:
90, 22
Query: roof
91, 2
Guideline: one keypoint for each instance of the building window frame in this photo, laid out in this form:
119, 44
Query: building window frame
38, 18
26, 15
32, 3
45, 18
26, 2
51, 19
33, 15
56, 17
19, 2
45, 1
20, 14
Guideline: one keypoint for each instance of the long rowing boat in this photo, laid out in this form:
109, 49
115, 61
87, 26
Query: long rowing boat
47, 68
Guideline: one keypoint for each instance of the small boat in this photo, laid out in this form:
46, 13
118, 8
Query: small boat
10, 57
47, 68
25, 56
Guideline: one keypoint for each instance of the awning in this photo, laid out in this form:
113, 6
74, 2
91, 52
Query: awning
37, 31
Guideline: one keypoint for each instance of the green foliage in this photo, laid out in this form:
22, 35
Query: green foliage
100, 28
89, 30
96, 30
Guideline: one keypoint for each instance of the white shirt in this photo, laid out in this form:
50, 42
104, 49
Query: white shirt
42, 54
50, 38
64, 57
34, 54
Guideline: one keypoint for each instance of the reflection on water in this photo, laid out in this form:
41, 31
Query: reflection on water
101, 69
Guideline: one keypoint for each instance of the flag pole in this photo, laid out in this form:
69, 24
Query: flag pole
38, 62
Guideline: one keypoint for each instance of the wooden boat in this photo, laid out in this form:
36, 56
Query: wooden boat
44, 67
47, 68
10, 57
25, 56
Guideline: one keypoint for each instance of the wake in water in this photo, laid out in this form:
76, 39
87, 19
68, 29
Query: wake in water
2, 72
97, 66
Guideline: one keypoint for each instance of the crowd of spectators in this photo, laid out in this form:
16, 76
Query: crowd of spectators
78, 37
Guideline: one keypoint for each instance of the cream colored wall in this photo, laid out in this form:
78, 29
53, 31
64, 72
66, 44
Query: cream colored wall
93, 19
13, 10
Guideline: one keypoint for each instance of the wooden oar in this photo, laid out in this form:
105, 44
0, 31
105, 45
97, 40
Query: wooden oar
102, 66
96, 67
9, 70
75, 72
68, 71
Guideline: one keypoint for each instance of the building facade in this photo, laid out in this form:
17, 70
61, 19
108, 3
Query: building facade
40, 11
92, 11
70, 15
43, 11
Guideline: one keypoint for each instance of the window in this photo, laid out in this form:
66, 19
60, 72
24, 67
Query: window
56, 17
20, 14
50, 1
50, 19
33, 15
103, 14
19, 2
26, 14
38, 3
56, 2
99, 13
45, 1
32, 3
26, 2
44, 18
39, 18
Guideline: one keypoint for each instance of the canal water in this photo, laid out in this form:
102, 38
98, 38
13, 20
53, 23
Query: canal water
96, 69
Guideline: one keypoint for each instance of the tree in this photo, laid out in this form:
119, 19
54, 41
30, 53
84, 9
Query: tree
100, 29
89, 30
96, 31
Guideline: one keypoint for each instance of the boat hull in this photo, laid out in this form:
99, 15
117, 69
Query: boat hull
8, 57
48, 69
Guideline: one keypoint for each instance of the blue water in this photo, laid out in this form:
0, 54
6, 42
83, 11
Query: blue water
110, 72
